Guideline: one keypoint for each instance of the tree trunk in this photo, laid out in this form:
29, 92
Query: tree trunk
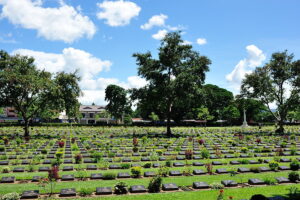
169, 132
26, 129
280, 130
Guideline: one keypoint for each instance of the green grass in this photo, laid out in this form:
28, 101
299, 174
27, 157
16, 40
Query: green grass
236, 193
180, 181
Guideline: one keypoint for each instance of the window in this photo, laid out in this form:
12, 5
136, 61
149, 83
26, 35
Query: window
83, 115
91, 115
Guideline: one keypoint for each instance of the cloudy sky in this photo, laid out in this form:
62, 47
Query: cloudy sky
99, 37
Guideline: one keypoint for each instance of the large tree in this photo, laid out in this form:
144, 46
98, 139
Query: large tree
118, 103
32, 91
276, 82
174, 77
216, 99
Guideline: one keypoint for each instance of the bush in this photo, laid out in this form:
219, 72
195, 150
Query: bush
59, 155
11, 196
61, 144
293, 150
121, 188
205, 153
244, 161
273, 165
155, 184
294, 165
2, 148
78, 158
258, 197
244, 149
5, 170
109, 176
216, 186
136, 171
44, 151
163, 171
168, 163
97, 156
147, 165
270, 181
294, 176
85, 192
255, 169
125, 166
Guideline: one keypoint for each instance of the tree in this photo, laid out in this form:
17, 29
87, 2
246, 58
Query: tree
254, 108
118, 103
276, 82
174, 78
216, 99
231, 113
203, 114
32, 91
154, 117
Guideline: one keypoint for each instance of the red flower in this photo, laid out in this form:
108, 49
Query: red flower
230, 197
221, 191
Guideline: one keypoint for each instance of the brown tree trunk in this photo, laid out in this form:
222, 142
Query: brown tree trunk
280, 130
26, 129
169, 132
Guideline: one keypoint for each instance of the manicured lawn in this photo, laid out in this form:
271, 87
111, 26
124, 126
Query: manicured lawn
237, 193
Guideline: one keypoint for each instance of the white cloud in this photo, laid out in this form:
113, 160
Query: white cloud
136, 82
186, 42
156, 20
160, 34
63, 23
118, 13
89, 66
254, 59
201, 41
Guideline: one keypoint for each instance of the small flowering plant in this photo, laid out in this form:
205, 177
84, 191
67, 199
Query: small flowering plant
221, 195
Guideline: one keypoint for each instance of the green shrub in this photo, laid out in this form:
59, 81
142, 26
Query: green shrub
244, 149
44, 151
136, 171
216, 186
294, 165
11, 196
109, 176
97, 156
255, 169
159, 152
294, 176
270, 181
125, 165
85, 192
163, 171
147, 165
293, 150
273, 165
121, 188
2, 148
155, 184
168, 163
205, 153
244, 161
5, 170
59, 155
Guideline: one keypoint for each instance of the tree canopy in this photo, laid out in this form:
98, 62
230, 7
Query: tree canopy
276, 82
33, 91
118, 103
173, 79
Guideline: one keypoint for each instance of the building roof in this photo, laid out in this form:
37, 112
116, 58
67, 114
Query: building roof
90, 108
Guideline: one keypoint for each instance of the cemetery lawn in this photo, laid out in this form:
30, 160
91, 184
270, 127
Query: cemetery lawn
236, 193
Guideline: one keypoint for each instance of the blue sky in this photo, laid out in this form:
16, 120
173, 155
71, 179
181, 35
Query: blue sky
99, 37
